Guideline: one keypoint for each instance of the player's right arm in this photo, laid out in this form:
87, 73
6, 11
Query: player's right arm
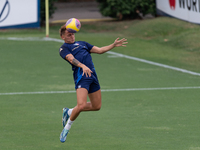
77, 63
117, 43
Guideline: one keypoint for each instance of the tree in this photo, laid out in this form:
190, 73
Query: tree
127, 9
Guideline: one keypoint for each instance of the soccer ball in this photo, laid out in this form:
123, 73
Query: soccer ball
73, 25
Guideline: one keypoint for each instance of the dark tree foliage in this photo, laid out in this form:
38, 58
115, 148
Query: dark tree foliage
127, 9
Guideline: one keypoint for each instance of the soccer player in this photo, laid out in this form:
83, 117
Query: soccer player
77, 53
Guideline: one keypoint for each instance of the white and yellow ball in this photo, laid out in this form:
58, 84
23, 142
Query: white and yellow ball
73, 25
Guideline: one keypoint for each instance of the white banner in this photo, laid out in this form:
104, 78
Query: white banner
19, 13
188, 10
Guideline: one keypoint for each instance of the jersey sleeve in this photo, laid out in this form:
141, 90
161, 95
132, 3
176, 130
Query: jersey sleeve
64, 52
89, 46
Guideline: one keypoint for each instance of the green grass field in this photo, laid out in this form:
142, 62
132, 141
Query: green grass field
145, 107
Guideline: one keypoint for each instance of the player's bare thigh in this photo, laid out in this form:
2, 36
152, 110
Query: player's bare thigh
95, 99
81, 94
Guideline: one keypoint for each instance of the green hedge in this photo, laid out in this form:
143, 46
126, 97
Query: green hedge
126, 9
42, 10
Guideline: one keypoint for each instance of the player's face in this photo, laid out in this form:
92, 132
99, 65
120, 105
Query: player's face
69, 37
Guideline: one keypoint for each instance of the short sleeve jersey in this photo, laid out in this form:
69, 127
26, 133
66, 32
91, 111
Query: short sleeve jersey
81, 51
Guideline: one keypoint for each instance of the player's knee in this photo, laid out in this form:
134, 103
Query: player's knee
81, 107
98, 107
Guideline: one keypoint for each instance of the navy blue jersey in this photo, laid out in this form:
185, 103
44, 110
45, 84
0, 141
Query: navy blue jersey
81, 51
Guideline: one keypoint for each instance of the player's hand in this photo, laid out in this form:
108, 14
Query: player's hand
86, 71
121, 42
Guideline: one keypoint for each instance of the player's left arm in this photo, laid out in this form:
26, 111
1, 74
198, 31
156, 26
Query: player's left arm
101, 50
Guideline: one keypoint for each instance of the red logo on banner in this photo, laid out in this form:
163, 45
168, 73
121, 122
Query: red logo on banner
172, 4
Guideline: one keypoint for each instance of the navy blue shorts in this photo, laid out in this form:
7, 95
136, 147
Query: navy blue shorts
89, 83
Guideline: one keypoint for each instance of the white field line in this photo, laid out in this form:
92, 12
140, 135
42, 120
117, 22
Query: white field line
109, 52
104, 90
154, 63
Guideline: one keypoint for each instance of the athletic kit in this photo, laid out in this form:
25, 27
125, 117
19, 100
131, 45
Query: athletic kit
81, 51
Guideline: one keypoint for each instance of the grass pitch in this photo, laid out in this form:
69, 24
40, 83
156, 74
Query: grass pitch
150, 108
